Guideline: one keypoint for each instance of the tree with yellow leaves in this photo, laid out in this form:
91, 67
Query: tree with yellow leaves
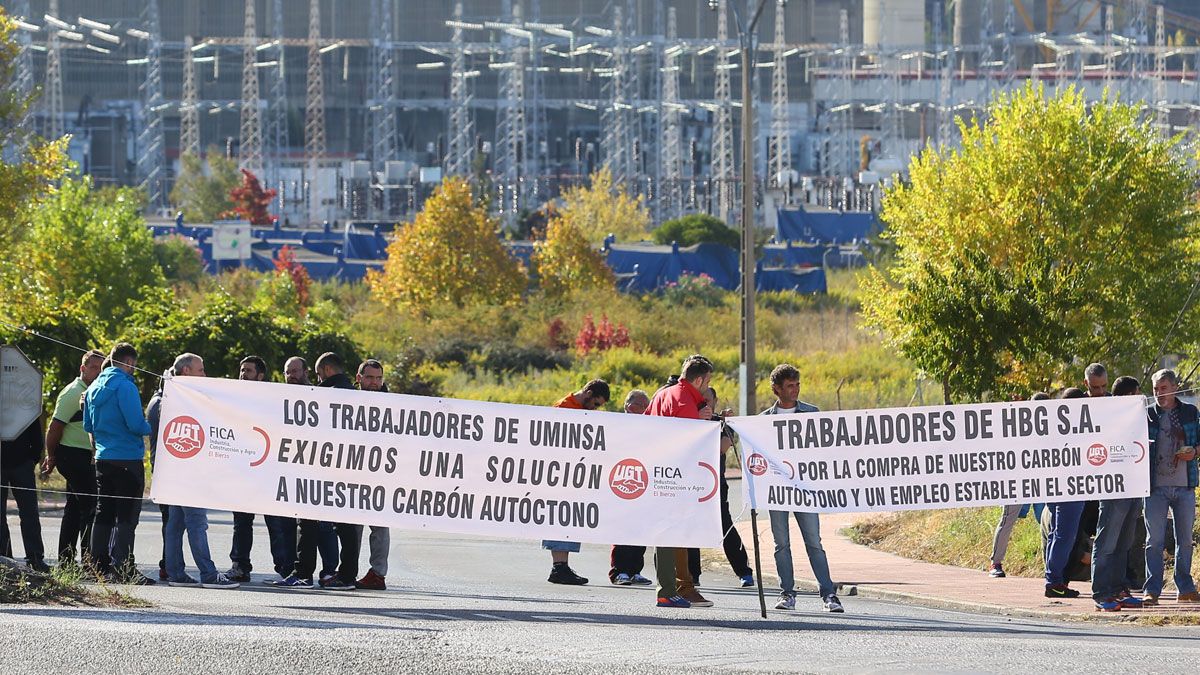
600, 209
450, 254
565, 262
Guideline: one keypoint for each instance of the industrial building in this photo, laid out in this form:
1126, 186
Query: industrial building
354, 108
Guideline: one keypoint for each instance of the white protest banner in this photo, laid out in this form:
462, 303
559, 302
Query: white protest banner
938, 457
445, 465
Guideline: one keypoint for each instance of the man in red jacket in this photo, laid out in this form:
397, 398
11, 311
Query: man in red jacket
685, 400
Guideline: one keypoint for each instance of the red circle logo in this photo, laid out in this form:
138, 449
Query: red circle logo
756, 464
183, 437
628, 479
1097, 454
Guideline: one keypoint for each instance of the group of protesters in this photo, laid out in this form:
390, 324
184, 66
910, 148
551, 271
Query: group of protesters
1119, 543
95, 440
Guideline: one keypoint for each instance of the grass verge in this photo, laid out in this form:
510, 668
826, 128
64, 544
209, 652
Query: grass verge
62, 586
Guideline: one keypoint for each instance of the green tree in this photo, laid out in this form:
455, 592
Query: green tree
450, 254
565, 262
202, 190
85, 251
600, 209
1060, 232
697, 228
30, 166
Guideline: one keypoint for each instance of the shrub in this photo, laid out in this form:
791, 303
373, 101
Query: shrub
697, 228
599, 338
180, 260
693, 290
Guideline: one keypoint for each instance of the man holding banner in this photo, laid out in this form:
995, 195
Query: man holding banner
785, 383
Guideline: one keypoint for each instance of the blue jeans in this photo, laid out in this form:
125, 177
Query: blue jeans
1182, 502
195, 521
568, 546
810, 530
1110, 550
1064, 526
282, 533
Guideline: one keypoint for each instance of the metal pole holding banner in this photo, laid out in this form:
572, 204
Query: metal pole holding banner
762, 599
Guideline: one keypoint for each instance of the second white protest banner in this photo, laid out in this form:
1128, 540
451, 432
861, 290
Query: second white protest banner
445, 465
937, 457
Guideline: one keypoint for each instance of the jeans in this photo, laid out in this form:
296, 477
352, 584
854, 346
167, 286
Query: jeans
1110, 550
350, 539
281, 531
1182, 502
165, 512
1004, 530
381, 543
75, 465
243, 541
735, 551
810, 530
1064, 526
120, 484
316, 536
568, 546
195, 521
626, 560
20, 478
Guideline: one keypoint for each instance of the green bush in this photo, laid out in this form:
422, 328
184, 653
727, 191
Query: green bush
694, 290
180, 260
697, 228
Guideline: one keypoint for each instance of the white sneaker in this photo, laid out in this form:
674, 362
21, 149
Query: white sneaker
221, 581
639, 580
832, 604
786, 602
623, 579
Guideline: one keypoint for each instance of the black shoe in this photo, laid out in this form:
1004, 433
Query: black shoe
563, 574
39, 566
1061, 591
236, 573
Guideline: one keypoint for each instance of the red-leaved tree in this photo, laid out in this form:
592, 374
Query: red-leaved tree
285, 263
250, 200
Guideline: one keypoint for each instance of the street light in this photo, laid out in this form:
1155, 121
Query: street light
746, 370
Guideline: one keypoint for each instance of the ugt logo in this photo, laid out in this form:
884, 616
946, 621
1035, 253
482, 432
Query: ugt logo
183, 437
628, 479
756, 464
1097, 454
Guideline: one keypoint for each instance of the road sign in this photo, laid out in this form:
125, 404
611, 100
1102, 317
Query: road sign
231, 241
20, 392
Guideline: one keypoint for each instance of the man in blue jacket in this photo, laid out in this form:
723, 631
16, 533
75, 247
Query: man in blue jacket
112, 415
1174, 435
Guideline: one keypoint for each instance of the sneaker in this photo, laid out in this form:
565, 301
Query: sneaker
563, 574
1108, 605
622, 579
1129, 602
833, 605
336, 583
221, 581
698, 600
185, 582
1061, 591
786, 602
136, 578
39, 566
236, 573
371, 582
996, 571
639, 580
748, 581
674, 601
1189, 597
1149, 600
294, 581
162, 573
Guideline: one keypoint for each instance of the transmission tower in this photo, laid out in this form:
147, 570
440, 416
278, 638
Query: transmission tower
671, 186
1162, 114
314, 108
250, 139
535, 115
617, 142
1009, 47
189, 114
779, 145
512, 130
1110, 58
945, 107
276, 127
53, 94
460, 148
1137, 31
383, 107
23, 68
722, 147
987, 57
151, 160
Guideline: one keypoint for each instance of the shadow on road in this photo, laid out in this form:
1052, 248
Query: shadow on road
192, 619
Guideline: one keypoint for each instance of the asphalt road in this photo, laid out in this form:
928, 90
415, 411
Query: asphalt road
483, 605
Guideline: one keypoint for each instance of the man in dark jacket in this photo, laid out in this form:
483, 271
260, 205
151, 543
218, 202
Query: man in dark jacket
17, 459
1174, 435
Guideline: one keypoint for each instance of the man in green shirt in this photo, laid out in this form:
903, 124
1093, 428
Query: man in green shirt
69, 449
